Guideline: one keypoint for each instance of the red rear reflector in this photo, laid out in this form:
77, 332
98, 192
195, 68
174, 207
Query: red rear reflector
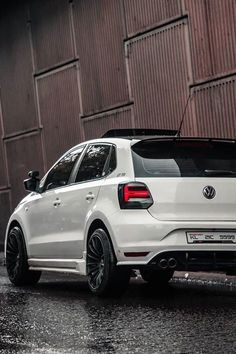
136, 254
135, 192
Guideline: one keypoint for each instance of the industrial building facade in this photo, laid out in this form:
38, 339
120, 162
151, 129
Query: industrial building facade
73, 69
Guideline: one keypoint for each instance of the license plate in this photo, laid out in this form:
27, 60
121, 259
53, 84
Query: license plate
211, 237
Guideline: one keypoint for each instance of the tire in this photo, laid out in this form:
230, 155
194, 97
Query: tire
17, 260
156, 277
104, 277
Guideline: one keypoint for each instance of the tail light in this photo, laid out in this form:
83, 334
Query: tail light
134, 195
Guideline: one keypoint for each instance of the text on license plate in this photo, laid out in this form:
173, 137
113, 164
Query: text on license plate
211, 237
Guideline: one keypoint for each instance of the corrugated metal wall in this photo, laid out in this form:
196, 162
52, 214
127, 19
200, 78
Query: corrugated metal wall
59, 110
5, 208
100, 123
72, 69
51, 33
99, 43
140, 14
160, 97
212, 25
3, 166
23, 154
216, 101
16, 68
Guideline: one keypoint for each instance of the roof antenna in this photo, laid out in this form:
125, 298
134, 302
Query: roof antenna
182, 120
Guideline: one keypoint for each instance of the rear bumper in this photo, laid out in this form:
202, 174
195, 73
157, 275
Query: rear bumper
195, 261
137, 231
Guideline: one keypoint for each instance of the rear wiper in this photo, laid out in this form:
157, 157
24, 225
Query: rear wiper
219, 173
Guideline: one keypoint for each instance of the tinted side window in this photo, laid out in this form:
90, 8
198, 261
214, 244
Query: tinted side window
60, 173
93, 163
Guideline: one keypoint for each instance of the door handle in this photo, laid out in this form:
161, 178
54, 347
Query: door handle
90, 197
57, 203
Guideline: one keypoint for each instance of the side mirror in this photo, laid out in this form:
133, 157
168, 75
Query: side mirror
31, 184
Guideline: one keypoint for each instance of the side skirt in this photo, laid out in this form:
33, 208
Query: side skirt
75, 266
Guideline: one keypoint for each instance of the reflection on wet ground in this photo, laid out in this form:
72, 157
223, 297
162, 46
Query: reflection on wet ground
59, 315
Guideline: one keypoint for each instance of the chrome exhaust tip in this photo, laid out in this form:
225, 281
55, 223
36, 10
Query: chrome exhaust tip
172, 263
163, 263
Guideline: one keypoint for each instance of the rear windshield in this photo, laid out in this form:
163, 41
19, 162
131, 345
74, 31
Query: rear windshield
184, 159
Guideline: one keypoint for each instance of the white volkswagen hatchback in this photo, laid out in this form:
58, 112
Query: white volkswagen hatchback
115, 204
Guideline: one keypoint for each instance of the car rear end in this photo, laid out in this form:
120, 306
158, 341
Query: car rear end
180, 210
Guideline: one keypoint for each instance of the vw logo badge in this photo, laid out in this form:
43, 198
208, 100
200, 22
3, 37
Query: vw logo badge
209, 192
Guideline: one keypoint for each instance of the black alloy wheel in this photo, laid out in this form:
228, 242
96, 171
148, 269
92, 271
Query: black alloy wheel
95, 261
16, 260
104, 277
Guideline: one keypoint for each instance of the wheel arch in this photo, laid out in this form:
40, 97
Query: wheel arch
99, 224
13, 223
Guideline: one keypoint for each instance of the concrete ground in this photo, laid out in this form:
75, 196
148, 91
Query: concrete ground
60, 316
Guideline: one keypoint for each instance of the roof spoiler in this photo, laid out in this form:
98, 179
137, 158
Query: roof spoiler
132, 133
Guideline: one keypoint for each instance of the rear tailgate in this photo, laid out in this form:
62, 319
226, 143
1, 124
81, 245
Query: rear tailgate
177, 173
183, 199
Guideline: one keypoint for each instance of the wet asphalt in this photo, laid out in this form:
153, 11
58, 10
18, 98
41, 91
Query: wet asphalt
59, 315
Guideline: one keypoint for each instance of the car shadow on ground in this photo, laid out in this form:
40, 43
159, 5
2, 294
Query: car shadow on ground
179, 290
